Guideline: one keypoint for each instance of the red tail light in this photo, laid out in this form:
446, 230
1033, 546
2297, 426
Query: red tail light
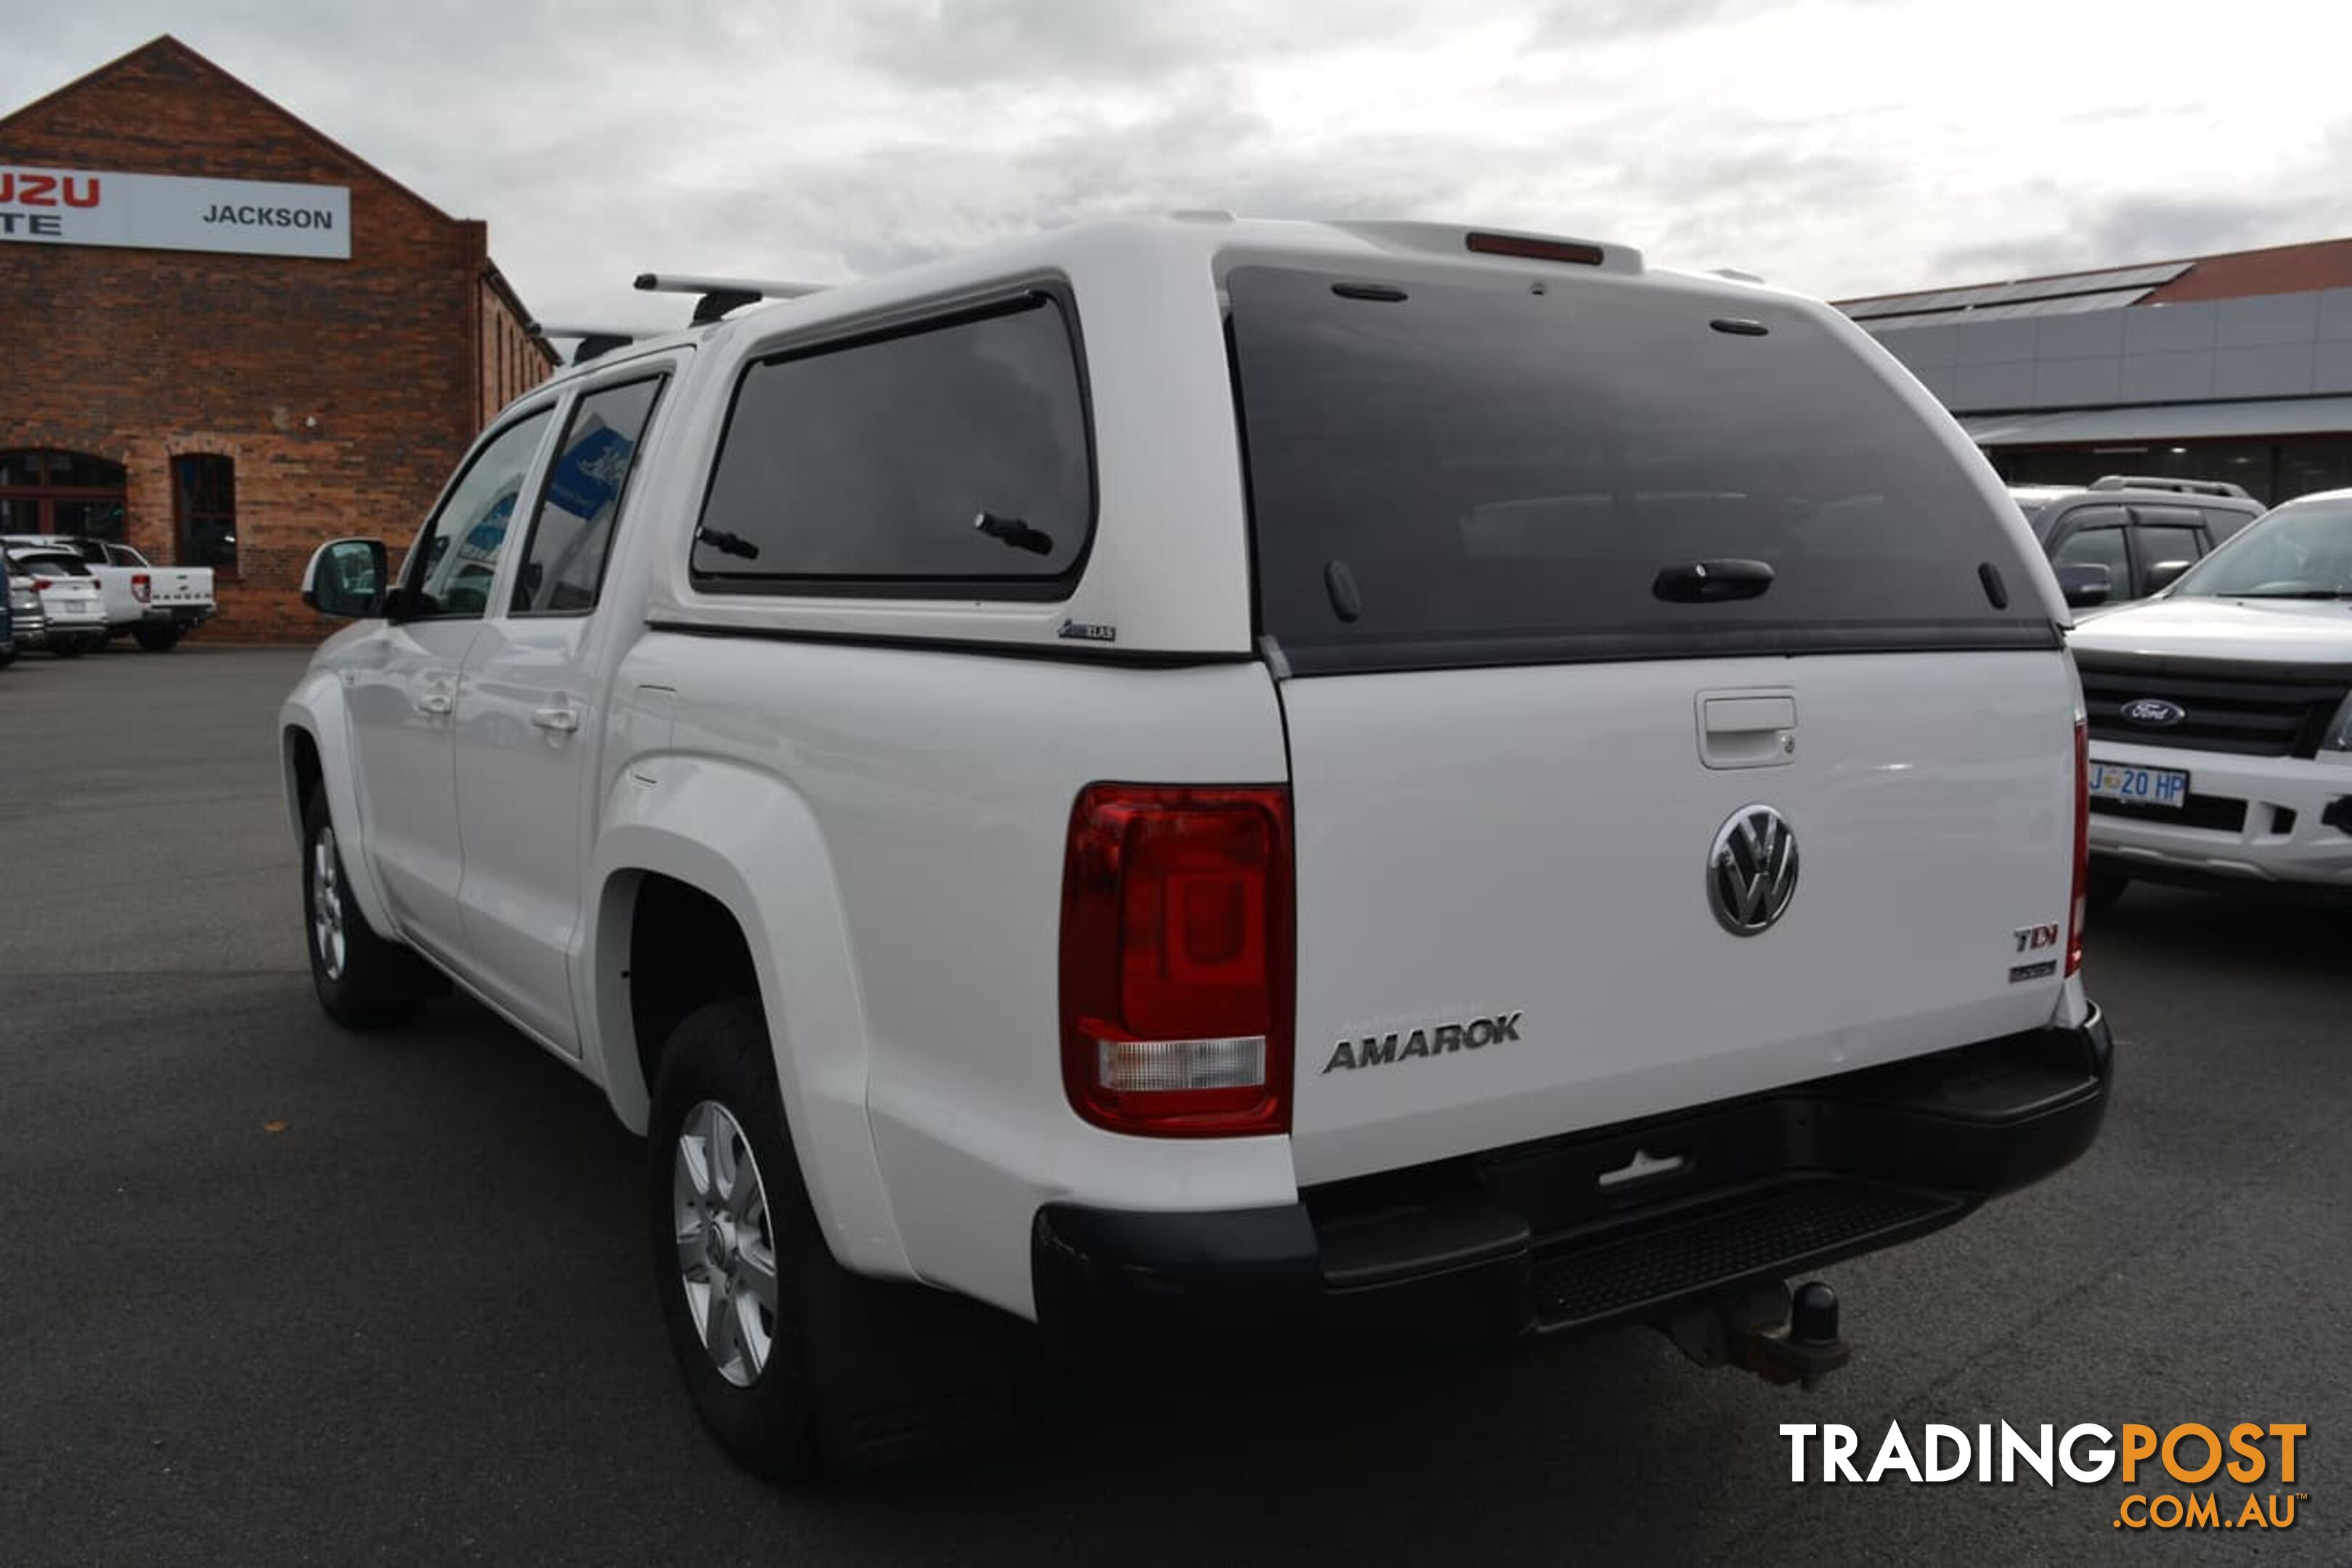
141, 585
43, 584
1176, 959
2081, 907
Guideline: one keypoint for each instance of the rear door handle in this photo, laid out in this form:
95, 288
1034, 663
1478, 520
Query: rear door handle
435, 700
562, 720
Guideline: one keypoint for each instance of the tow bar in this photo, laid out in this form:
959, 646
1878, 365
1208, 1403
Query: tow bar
1767, 1331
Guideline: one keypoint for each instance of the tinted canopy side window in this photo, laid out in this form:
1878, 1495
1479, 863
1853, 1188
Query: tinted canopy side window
953, 453
455, 558
1458, 473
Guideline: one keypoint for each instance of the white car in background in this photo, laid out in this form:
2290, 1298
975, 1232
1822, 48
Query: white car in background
2221, 714
157, 605
72, 611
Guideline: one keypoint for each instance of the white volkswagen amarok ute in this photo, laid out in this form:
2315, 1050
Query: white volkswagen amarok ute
1224, 790
2221, 714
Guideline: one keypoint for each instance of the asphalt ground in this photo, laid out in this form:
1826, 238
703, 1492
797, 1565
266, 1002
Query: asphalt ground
272, 1293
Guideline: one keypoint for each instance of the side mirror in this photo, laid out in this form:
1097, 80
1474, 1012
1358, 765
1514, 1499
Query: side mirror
345, 579
2165, 573
2086, 585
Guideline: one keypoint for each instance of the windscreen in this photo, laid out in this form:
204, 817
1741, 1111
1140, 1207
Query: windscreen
1494, 473
2303, 551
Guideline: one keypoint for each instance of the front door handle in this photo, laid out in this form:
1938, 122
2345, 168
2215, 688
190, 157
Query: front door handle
435, 700
562, 720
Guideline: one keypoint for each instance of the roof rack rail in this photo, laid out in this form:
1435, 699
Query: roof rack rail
2176, 487
593, 341
720, 294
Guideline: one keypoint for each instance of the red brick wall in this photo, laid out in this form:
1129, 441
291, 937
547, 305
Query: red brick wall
346, 391
511, 363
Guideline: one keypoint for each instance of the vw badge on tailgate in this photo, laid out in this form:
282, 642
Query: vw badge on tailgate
1751, 870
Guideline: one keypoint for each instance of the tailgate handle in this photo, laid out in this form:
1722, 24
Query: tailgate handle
1743, 715
1747, 729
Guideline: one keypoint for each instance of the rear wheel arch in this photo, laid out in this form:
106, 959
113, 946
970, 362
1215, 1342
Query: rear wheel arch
682, 949
778, 938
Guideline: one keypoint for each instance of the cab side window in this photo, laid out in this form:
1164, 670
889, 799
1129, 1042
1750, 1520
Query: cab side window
450, 571
564, 563
2098, 542
2222, 522
2162, 543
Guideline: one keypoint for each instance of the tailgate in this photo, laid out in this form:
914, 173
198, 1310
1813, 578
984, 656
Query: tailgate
172, 586
72, 605
1576, 581
1505, 923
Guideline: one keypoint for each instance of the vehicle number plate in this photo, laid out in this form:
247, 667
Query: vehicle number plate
2165, 786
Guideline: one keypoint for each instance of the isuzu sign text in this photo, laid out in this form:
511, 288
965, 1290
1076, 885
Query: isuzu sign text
160, 212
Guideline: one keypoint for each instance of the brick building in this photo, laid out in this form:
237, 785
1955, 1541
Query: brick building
230, 337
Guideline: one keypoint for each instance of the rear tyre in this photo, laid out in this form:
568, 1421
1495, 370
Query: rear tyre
156, 639
363, 981
2104, 888
790, 1361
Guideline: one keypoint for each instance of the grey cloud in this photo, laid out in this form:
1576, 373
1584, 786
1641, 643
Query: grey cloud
895, 206
1574, 22
961, 45
834, 138
956, 41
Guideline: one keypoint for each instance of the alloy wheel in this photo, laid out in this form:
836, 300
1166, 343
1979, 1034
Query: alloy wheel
726, 1243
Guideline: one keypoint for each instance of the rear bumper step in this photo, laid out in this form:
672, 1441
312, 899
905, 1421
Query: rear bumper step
1770, 1233
1532, 1240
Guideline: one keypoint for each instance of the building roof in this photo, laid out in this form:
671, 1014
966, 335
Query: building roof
166, 57
2280, 269
2303, 268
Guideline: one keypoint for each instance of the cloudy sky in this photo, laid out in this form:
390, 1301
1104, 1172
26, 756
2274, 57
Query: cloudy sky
1840, 146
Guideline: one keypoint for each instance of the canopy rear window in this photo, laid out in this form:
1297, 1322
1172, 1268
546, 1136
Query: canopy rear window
1481, 472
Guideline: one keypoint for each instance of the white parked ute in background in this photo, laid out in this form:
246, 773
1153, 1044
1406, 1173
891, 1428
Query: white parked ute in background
1229, 789
157, 605
2221, 714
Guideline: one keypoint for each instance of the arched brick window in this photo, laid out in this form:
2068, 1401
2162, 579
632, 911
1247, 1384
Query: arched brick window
49, 492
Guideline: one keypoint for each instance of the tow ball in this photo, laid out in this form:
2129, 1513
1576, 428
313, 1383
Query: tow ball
1765, 1329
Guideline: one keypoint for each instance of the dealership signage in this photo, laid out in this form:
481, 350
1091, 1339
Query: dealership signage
158, 211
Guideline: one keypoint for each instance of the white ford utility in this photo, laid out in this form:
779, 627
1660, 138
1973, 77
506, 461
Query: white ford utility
2221, 714
1223, 789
